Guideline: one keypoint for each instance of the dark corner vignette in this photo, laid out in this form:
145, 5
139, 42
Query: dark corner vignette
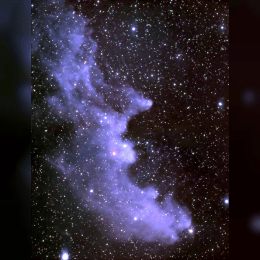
15, 105
244, 129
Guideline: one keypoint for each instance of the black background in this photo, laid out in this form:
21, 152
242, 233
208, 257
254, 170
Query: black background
15, 128
244, 127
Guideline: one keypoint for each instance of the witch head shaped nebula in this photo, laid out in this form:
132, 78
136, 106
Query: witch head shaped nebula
97, 158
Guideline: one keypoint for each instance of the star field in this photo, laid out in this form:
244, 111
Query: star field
130, 110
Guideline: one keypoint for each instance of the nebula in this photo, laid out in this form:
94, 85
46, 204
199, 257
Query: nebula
97, 157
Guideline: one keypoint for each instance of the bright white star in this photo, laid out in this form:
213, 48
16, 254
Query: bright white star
65, 256
133, 28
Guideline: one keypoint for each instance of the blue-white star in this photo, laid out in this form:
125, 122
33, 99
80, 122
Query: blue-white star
65, 256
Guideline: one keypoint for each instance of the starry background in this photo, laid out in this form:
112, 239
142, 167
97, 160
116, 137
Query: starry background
176, 54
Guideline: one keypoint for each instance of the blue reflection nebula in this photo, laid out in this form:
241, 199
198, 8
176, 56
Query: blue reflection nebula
103, 156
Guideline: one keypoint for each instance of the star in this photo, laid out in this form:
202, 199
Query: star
65, 256
133, 28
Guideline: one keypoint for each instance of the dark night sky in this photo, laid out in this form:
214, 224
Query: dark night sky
175, 53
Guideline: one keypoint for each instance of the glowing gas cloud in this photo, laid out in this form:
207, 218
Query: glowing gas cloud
97, 158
